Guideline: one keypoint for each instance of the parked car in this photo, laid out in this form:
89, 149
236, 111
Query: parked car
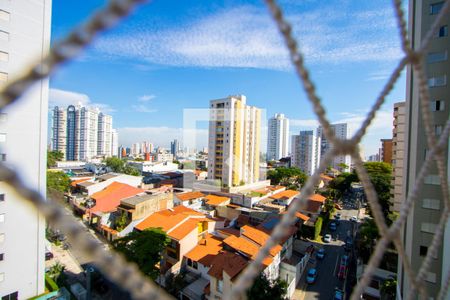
337, 216
327, 238
320, 253
48, 255
338, 294
344, 260
354, 219
341, 273
311, 276
332, 226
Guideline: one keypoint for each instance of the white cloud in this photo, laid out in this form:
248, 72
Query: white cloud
305, 123
161, 136
247, 37
65, 98
143, 108
146, 98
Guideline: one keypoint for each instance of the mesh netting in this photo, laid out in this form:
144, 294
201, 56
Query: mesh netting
127, 274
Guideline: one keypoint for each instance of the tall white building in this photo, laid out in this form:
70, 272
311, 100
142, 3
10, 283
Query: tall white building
104, 135
423, 218
87, 132
305, 151
24, 37
114, 143
278, 137
342, 132
136, 149
234, 141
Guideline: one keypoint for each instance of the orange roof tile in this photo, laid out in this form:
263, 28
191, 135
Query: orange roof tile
74, 183
313, 206
229, 231
184, 229
317, 197
108, 199
259, 237
228, 262
216, 200
206, 250
299, 215
287, 194
275, 187
249, 248
190, 195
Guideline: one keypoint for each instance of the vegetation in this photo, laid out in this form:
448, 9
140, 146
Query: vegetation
292, 178
53, 157
50, 284
121, 222
58, 181
318, 227
389, 289
144, 248
120, 166
175, 283
263, 289
56, 273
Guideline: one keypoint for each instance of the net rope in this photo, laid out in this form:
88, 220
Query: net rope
128, 276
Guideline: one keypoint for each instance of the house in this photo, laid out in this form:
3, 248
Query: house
313, 206
92, 186
285, 197
215, 201
185, 227
189, 199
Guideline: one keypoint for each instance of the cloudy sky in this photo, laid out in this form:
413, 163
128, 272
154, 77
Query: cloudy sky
170, 56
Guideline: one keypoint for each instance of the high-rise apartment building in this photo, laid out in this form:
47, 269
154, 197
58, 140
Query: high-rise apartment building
104, 135
174, 147
426, 212
234, 141
386, 151
24, 37
398, 148
341, 131
136, 149
114, 143
278, 137
88, 132
305, 151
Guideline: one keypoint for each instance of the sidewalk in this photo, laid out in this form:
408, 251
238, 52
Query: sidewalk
65, 258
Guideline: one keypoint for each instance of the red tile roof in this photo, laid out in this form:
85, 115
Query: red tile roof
190, 195
206, 250
299, 215
230, 263
216, 200
287, 194
109, 198
317, 197
313, 206
74, 183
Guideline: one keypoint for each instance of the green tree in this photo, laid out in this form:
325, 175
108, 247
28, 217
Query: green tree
53, 157
263, 289
143, 248
58, 181
293, 178
122, 222
129, 170
318, 227
120, 166
380, 174
389, 289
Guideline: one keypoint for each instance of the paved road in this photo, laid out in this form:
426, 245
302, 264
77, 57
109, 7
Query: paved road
328, 268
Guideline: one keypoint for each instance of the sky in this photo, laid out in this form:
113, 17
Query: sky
171, 56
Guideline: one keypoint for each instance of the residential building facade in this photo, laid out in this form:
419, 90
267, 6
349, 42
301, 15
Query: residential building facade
341, 131
426, 212
386, 151
278, 137
59, 130
398, 149
305, 151
174, 147
234, 141
114, 143
24, 36
105, 132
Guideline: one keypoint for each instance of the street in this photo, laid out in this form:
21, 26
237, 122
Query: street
328, 267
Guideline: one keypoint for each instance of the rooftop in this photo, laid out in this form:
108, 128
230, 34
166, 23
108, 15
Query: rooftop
133, 201
216, 200
287, 194
190, 195
228, 262
109, 198
206, 250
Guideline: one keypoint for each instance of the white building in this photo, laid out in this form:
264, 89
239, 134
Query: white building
59, 130
24, 37
114, 143
234, 141
342, 132
104, 147
136, 149
305, 152
278, 137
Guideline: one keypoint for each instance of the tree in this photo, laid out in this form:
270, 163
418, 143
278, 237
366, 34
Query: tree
389, 289
380, 174
263, 289
53, 157
318, 227
122, 222
144, 248
293, 178
120, 166
58, 181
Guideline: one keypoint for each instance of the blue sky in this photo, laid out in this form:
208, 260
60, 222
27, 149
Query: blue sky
173, 55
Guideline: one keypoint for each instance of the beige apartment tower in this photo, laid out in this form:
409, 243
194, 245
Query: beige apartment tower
424, 217
398, 149
234, 141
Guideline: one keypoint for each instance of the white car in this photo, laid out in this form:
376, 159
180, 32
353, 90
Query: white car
327, 238
354, 219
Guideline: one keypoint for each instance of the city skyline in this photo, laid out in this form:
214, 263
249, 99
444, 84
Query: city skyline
156, 92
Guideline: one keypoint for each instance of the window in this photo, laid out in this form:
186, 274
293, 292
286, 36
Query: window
2, 237
189, 262
2, 256
2, 278
4, 56
219, 286
443, 31
12, 296
432, 179
195, 265
4, 15
437, 105
428, 227
2, 197
4, 36
3, 77
435, 8
431, 203
423, 251
2, 218
437, 130
434, 57
437, 81
2, 137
